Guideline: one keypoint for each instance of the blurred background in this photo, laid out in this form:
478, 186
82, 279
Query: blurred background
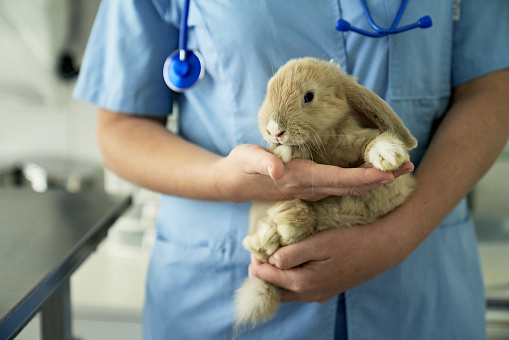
47, 142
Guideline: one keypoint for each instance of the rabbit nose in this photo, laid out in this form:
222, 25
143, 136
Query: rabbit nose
277, 135
274, 129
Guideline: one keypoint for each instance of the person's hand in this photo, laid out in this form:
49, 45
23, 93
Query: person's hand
329, 262
251, 172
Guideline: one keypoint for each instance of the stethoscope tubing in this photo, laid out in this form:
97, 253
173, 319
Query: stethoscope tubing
183, 30
395, 23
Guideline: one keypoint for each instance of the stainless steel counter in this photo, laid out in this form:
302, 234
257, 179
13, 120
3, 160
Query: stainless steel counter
43, 239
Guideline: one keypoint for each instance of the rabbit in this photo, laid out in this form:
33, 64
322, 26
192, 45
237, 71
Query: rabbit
314, 110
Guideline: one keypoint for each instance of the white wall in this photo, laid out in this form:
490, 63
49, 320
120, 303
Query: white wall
67, 130
37, 114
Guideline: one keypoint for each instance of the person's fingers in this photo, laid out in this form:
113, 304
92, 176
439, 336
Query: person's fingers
296, 254
289, 256
273, 275
404, 169
329, 175
292, 281
255, 260
356, 181
311, 181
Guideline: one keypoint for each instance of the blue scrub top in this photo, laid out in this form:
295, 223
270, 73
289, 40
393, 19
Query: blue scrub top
198, 260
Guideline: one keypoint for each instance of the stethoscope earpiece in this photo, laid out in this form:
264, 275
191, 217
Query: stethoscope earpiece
425, 22
183, 70
344, 26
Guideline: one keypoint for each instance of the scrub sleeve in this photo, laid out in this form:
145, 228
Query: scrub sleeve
121, 68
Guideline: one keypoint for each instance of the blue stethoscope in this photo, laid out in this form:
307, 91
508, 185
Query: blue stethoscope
183, 68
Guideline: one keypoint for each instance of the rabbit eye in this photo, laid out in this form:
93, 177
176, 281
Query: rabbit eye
308, 97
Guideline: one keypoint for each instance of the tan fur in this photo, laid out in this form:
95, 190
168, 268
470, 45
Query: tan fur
249, 309
326, 130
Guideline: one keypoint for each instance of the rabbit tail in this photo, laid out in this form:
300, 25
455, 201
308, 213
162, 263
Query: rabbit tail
255, 301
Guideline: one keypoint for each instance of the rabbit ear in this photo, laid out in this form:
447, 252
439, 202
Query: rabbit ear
371, 107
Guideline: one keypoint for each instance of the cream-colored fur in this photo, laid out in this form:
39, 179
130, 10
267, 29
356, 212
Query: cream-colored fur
327, 130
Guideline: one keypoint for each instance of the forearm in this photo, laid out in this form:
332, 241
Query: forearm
467, 143
145, 153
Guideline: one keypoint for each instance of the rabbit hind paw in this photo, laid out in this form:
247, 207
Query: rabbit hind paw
295, 220
264, 242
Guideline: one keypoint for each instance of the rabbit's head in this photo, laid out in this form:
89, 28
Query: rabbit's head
302, 100
307, 96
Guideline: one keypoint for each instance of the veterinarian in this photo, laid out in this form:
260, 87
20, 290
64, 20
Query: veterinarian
414, 274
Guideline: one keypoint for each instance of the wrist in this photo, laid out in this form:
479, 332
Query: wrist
407, 226
219, 181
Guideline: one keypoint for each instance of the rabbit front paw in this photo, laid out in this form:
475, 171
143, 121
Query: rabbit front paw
294, 220
386, 153
284, 152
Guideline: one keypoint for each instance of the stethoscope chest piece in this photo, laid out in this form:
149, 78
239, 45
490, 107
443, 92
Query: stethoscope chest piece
183, 70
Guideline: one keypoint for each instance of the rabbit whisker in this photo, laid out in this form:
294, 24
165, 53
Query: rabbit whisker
328, 52
318, 138
281, 190
310, 157
271, 64
320, 147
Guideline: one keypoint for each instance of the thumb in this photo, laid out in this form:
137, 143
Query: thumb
275, 168
266, 163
